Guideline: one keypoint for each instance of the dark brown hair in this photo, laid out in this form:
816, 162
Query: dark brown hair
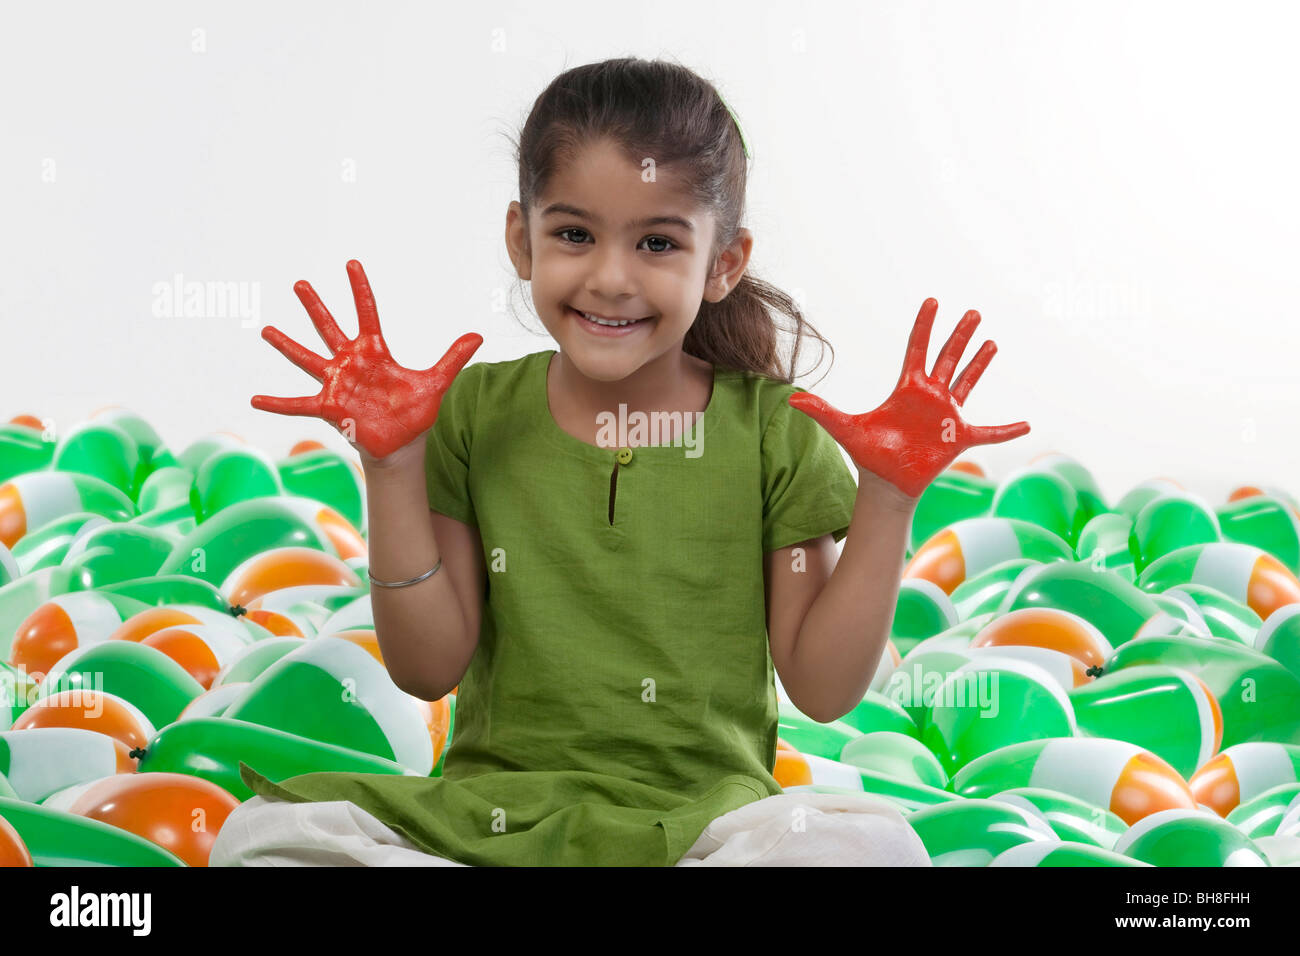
662, 109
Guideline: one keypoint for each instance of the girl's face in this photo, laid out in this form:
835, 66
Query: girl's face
619, 242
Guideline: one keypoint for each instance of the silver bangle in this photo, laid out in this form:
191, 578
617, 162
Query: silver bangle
402, 584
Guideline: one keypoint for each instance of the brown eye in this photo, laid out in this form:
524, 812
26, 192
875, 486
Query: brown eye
670, 243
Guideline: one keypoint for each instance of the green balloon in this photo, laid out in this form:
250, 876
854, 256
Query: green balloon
1070, 818
1149, 705
231, 476
113, 553
1224, 616
878, 712
202, 449
46, 546
896, 755
162, 589
984, 592
1170, 522
175, 521
952, 496
1042, 498
245, 529
1258, 697
1190, 838
138, 673
1279, 638
1260, 815
921, 610
106, 452
972, 832
56, 838
23, 449
1104, 544
1108, 602
325, 476
151, 447
1264, 522
1091, 502
255, 658
213, 748
810, 736
166, 488
1137, 498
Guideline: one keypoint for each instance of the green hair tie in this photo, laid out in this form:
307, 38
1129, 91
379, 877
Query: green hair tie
741, 133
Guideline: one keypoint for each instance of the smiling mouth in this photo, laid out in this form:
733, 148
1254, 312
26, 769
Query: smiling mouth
606, 323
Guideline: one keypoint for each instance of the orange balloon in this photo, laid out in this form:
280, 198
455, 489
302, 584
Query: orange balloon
346, 539
1245, 491
1215, 784
86, 710
286, 568
42, 638
1052, 629
31, 421
1147, 785
13, 851
304, 446
365, 638
791, 769
178, 812
437, 717
189, 650
281, 625
149, 621
969, 467
13, 516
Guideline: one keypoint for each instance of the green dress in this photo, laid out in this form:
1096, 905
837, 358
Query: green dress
621, 696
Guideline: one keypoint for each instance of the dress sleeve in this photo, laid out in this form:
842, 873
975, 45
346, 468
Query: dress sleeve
447, 448
808, 490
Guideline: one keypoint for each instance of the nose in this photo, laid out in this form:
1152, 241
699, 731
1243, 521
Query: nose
611, 275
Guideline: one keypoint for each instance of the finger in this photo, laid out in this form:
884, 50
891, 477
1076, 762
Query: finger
990, 434
367, 312
449, 366
310, 405
820, 411
919, 343
952, 349
320, 316
305, 359
972, 372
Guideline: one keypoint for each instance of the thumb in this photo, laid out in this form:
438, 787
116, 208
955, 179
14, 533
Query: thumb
455, 359
820, 411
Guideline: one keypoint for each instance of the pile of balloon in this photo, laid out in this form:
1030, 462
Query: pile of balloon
163, 618
1070, 684
1066, 683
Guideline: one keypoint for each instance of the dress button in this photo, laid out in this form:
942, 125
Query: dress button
624, 455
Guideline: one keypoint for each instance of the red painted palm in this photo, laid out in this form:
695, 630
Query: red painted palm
365, 394
918, 431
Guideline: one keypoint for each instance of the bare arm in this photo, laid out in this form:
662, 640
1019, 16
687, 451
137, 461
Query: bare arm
828, 621
428, 631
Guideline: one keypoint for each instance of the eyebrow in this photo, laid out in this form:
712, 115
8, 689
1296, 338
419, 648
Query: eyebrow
559, 208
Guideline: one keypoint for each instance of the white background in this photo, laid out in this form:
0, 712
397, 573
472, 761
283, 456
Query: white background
1112, 185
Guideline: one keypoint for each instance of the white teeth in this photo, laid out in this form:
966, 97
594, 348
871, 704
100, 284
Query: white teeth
599, 321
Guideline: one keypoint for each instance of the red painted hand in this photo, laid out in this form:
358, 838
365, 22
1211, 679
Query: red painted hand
375, 403
918, 431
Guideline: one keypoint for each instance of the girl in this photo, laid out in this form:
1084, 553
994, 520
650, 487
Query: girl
612, 608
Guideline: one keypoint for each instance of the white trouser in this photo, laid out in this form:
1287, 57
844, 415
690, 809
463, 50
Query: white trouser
789, 829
